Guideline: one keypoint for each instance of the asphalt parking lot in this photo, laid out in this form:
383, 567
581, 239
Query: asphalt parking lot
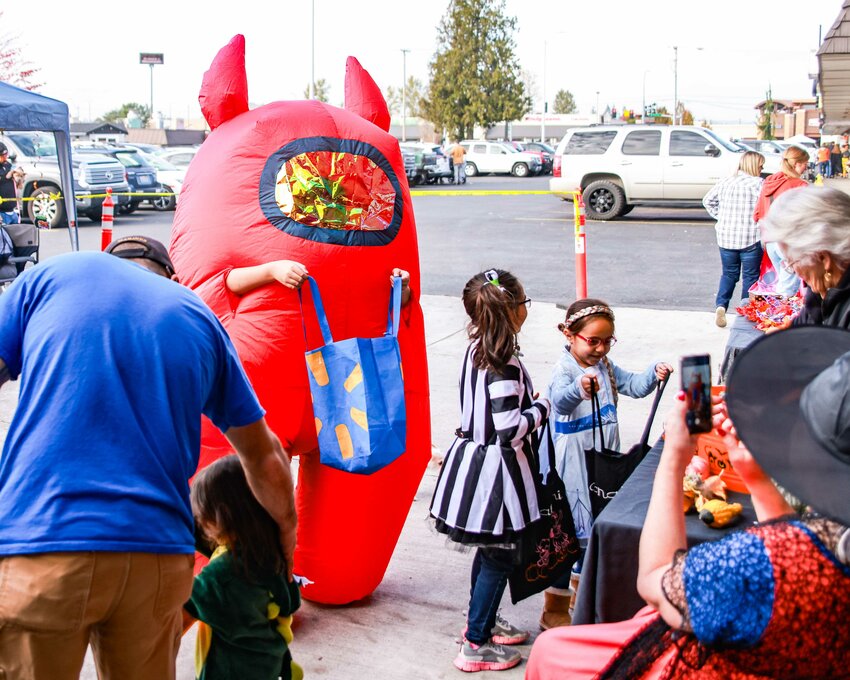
663, 258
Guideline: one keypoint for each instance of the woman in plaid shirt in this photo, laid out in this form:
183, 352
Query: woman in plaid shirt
732, 202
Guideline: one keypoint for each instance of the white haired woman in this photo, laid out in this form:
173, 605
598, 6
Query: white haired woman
731, 202
811, 226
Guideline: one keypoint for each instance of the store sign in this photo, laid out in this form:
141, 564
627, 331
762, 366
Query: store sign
151, 58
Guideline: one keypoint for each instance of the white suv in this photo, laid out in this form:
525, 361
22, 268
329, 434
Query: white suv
617, 167
483, 157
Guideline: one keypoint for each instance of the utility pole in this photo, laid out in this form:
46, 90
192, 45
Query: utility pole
404, 94
543, 108
675, 85
312, 49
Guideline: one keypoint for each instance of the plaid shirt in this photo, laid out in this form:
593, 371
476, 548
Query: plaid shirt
732, 202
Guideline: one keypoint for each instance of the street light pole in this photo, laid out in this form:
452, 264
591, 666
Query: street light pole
597, 106
675, 85
404, 94
312, 49
643, 113
543, 108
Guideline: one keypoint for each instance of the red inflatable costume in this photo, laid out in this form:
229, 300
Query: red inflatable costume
306, 181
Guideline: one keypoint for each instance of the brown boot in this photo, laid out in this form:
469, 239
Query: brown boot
556, 611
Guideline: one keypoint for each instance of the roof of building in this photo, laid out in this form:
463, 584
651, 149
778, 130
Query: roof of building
99, 128
834, 74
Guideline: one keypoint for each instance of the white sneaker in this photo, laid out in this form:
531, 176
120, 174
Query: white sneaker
720, 317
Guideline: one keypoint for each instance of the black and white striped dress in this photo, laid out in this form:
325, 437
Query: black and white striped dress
486, 490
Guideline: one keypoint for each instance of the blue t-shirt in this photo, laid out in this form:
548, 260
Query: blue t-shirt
117, 364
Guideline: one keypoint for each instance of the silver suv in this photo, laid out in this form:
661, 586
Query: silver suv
617, 167
483, 157
35, 152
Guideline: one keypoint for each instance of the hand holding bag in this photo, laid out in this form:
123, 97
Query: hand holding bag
358, 393
608, 470
548, 547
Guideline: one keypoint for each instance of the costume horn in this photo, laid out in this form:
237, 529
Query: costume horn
224, 89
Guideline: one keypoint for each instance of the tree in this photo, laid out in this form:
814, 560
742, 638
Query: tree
14, 69
413, 95
120, 114
321, 91
687, 118
475, 78
765, 120
565, 102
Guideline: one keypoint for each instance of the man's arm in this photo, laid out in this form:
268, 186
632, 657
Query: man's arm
266, 467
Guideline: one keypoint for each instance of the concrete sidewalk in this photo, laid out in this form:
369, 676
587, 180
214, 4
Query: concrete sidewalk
409, 629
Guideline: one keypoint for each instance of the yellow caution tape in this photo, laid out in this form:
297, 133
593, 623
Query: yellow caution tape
488, 192
56, 197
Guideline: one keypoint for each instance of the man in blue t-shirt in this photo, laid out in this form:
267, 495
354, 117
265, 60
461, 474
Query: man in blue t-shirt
117, 363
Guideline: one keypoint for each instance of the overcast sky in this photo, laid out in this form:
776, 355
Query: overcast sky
730, 51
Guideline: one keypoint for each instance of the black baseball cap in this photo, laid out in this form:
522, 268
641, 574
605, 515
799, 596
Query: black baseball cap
3, 149
132, 247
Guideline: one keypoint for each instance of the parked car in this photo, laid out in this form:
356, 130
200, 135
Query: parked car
547, 151
772, 160
180, 156
497, 157
35, 152
141, 175
617, 167
545, 164
169, 177
431, 162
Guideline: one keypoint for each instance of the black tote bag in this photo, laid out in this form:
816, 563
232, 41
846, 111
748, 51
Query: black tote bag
548, 547
607, 470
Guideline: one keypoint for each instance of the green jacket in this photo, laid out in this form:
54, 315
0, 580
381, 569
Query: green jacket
247, 625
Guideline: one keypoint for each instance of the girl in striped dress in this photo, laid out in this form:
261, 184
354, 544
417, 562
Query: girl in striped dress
486, 494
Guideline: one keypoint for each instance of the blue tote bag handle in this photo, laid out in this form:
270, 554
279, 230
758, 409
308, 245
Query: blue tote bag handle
393, 315
395, 308
327, 338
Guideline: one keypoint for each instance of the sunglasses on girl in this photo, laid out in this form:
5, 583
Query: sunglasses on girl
595, 342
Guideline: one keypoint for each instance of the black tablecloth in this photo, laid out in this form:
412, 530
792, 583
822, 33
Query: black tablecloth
742, 334
608, 589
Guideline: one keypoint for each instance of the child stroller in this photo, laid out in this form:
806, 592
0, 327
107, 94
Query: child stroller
18, 246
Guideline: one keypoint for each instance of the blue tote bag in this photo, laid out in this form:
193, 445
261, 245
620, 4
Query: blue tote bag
358, 393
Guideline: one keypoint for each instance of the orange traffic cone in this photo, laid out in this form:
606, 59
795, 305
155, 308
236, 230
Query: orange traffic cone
106, 220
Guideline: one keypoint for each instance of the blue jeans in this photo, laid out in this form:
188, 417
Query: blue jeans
490, 570
460, 173
10, 217
788, 283
733, 261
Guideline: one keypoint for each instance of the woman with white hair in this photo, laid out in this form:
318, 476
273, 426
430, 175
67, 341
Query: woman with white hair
811, 226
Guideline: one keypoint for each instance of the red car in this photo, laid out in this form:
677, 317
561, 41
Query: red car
546, 158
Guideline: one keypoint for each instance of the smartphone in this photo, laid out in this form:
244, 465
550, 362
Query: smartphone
696, 384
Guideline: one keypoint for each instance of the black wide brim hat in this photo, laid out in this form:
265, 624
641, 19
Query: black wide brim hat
763, 395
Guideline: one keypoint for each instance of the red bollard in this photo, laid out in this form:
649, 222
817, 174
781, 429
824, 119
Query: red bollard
580, 247
106, 220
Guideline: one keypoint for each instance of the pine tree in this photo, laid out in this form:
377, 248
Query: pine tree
321, 90
475, 78
565, 102
393, 95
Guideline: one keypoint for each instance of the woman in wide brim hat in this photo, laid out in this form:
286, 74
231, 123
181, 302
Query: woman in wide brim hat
773, 599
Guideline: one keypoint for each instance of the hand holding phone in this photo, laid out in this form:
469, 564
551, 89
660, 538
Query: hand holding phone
696, 384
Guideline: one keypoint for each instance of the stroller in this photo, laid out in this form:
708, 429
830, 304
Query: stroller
18, 246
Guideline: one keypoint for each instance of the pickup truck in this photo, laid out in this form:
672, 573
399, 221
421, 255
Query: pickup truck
35, 152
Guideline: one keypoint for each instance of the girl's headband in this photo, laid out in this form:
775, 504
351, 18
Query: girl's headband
587, 311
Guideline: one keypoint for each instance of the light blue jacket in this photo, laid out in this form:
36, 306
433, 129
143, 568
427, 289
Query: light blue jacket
571, 420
